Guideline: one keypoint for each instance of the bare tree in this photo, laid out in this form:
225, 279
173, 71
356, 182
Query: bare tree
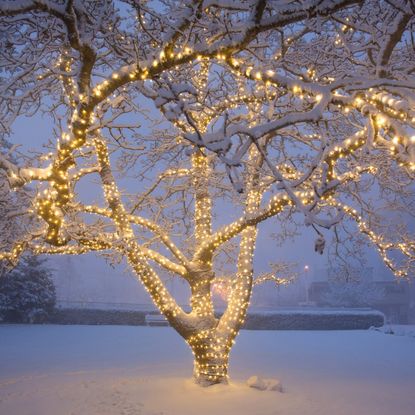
307, 107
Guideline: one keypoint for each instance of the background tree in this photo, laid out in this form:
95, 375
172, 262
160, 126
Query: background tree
27, 293
13, 207
353, 294
306, 108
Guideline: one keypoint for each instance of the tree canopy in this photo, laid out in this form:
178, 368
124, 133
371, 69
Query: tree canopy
303, 107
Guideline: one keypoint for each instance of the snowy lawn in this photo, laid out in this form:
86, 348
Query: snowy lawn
98, 370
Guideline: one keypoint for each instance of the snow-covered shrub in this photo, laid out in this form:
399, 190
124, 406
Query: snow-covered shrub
328, 319
27, 293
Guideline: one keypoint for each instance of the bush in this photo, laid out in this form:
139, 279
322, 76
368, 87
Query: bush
27, 293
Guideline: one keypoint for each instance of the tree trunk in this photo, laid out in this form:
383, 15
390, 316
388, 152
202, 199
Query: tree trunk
211, 356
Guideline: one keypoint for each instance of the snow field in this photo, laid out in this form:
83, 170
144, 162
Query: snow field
99, 370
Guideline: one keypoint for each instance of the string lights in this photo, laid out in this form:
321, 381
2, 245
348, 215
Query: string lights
211, 338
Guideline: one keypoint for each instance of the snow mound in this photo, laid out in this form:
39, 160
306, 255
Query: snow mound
258, 382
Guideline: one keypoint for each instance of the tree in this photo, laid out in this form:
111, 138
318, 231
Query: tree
353, 294
348, 287
27, 292
13, 206
305, 107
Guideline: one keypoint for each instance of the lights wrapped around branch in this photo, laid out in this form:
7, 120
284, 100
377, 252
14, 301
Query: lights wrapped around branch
378, 240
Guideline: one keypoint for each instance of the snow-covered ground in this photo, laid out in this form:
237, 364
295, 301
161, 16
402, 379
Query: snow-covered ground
397, 329
91, 370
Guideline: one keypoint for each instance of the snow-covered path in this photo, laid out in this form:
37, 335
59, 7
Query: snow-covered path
91, 370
